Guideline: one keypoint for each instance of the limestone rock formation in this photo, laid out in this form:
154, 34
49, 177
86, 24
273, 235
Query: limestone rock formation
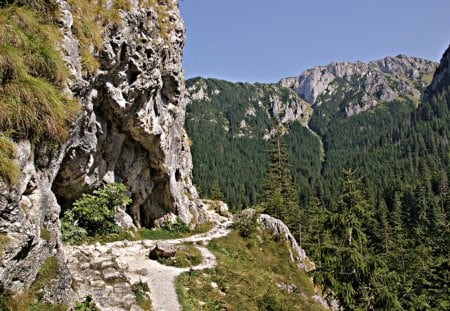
365, 85
278, 228
132, 127
164, 250
130, 130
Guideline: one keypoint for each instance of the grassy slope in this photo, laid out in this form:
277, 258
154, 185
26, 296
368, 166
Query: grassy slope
247, 275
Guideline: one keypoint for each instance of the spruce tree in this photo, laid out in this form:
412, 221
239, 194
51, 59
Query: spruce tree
216, 192
349, 273
279, 194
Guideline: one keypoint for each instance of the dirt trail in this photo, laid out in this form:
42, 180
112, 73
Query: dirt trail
106, 272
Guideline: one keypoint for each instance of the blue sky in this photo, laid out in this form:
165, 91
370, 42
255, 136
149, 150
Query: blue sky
266, 40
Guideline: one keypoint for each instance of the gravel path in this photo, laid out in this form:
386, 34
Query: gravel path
130, 260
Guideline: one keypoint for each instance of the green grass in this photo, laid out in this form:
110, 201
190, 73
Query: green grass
32, 75
247, 273
45, 234
9, 172
167, 234
187, 256
3, 240
140, 289
144, 234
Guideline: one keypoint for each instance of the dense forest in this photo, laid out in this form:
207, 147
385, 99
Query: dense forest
374, 214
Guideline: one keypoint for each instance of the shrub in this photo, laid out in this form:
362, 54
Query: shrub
86, 305
246, 224
93, 214
176, 227
270, 302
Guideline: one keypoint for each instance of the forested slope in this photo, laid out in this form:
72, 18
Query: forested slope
375, 212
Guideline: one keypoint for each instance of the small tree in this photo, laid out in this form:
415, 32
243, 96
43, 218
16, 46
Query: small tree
94, 213
216, 192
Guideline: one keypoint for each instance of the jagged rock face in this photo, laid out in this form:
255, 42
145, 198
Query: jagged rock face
132, 128
29, 214
367, 85
130, 131
239, 107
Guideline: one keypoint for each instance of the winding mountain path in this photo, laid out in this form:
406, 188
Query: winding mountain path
106, 272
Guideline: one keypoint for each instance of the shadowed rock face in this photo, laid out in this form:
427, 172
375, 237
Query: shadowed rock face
130, 131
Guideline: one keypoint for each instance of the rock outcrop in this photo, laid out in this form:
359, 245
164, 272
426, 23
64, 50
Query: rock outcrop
132, 127
130, 130
365, 85
278, 228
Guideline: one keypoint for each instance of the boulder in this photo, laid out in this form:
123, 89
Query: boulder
164, 250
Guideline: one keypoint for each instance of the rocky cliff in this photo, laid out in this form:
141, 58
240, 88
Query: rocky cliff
364, 85
129, 130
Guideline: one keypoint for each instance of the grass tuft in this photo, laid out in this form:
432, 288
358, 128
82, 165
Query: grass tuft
9, 172
140, 290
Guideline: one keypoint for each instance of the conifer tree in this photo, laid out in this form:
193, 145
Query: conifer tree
348, 271
279, 194
216, 192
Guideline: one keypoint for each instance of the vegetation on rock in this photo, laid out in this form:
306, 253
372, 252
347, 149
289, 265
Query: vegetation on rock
251, 274
30, 298
32, 75
187, 256
141, 290
93, 214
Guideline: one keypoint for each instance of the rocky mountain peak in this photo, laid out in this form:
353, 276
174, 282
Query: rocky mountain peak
367, 84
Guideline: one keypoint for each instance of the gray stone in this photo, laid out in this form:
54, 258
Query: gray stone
380, 81
164, 250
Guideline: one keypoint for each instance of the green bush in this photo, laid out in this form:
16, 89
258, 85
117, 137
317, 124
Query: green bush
176, 227
270, 302
93, 214
245, 224
86, 305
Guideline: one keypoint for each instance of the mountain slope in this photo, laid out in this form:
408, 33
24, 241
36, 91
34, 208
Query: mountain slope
229, 124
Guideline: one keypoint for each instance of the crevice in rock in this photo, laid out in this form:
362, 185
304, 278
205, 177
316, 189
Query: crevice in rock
24, 251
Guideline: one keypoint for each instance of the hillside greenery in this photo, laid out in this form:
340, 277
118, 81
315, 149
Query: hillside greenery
248, 276
374, 215
239, 162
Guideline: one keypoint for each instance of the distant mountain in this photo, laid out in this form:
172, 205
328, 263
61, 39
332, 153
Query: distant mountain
389, 121
343, 89
230, 120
